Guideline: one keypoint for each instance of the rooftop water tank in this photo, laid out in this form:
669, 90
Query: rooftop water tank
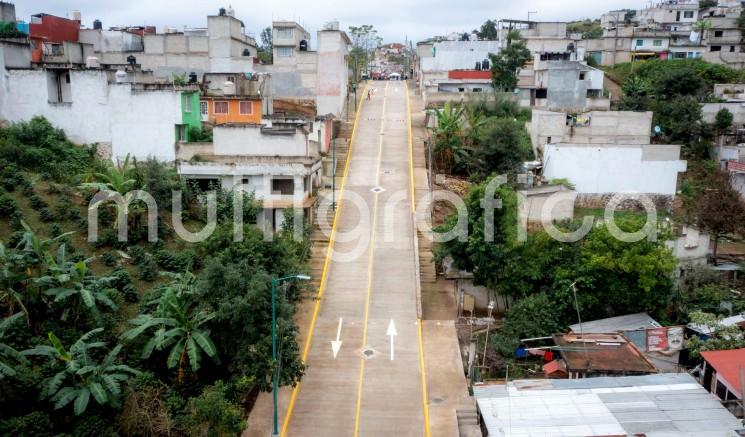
75, 16
97, 24
230, 12
303, 45
228, 88
121, 76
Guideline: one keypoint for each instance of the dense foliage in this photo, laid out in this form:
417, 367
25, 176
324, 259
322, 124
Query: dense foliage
96, 338
611, 277
480, 138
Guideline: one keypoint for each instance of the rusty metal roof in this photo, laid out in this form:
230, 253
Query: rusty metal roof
612, 353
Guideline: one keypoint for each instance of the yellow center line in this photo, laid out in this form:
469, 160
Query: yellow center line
370, 264
324, 273
425, 406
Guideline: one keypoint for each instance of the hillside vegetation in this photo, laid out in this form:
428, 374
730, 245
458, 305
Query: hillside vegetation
135, 337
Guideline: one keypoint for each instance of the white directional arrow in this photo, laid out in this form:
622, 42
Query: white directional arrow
392, 333
336, 344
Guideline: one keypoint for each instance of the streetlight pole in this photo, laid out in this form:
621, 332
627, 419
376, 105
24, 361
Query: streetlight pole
333, 180
275, 378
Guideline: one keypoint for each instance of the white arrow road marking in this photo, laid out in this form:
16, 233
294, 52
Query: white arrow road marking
392, 333
336, 345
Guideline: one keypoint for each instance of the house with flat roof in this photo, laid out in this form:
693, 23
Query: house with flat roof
659, 405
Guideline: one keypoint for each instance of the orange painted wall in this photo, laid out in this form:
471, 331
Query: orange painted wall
234, 115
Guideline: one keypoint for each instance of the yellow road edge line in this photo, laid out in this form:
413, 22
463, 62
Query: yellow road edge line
329, 249
425, 407
370, 264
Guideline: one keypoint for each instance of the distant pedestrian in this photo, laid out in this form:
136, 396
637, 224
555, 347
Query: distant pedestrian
369, 94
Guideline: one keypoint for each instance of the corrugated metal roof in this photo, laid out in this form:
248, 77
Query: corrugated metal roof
654, 405
629, 322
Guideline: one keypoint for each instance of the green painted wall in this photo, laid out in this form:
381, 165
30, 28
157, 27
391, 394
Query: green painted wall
191, 118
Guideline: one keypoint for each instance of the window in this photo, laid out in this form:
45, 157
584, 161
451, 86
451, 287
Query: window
285, 32
477, 90
582, 75
181, 132
283, 186
461, 90
639, 42
679, 55
284, 52
245, 107
541, 93
58, 86
732, 49
187, 102
716, 48
718, 33
688, 14
221, 108
657, 43
204, 109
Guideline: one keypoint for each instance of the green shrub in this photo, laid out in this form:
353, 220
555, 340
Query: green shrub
28, 190
37, 202
55, 230
148, 269
64, 208
213, 413
46, 215
138, 254
8, 205
108, 258
32, 424
37, 146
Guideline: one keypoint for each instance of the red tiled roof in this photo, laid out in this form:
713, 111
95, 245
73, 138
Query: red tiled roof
735, 167
727, 364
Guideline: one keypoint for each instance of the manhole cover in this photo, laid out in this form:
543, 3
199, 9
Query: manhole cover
368, 352
378, 190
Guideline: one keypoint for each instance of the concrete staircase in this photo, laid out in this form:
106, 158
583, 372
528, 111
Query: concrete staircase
468, 422
427, 270
323, 219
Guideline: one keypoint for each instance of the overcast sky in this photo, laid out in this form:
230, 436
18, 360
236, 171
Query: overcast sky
394, 19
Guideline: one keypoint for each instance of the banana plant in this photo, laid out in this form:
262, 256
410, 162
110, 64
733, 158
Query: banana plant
81, 376
9, 356
176, 326
68, 281
117, 180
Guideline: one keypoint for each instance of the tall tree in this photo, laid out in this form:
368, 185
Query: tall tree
720, 210
506, 64
488, 31
365, 40
267, 45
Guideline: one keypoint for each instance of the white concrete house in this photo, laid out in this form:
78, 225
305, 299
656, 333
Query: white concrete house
615, 168
280, 164
123, 118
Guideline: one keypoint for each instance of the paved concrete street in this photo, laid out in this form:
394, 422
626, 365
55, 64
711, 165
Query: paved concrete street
355, 394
